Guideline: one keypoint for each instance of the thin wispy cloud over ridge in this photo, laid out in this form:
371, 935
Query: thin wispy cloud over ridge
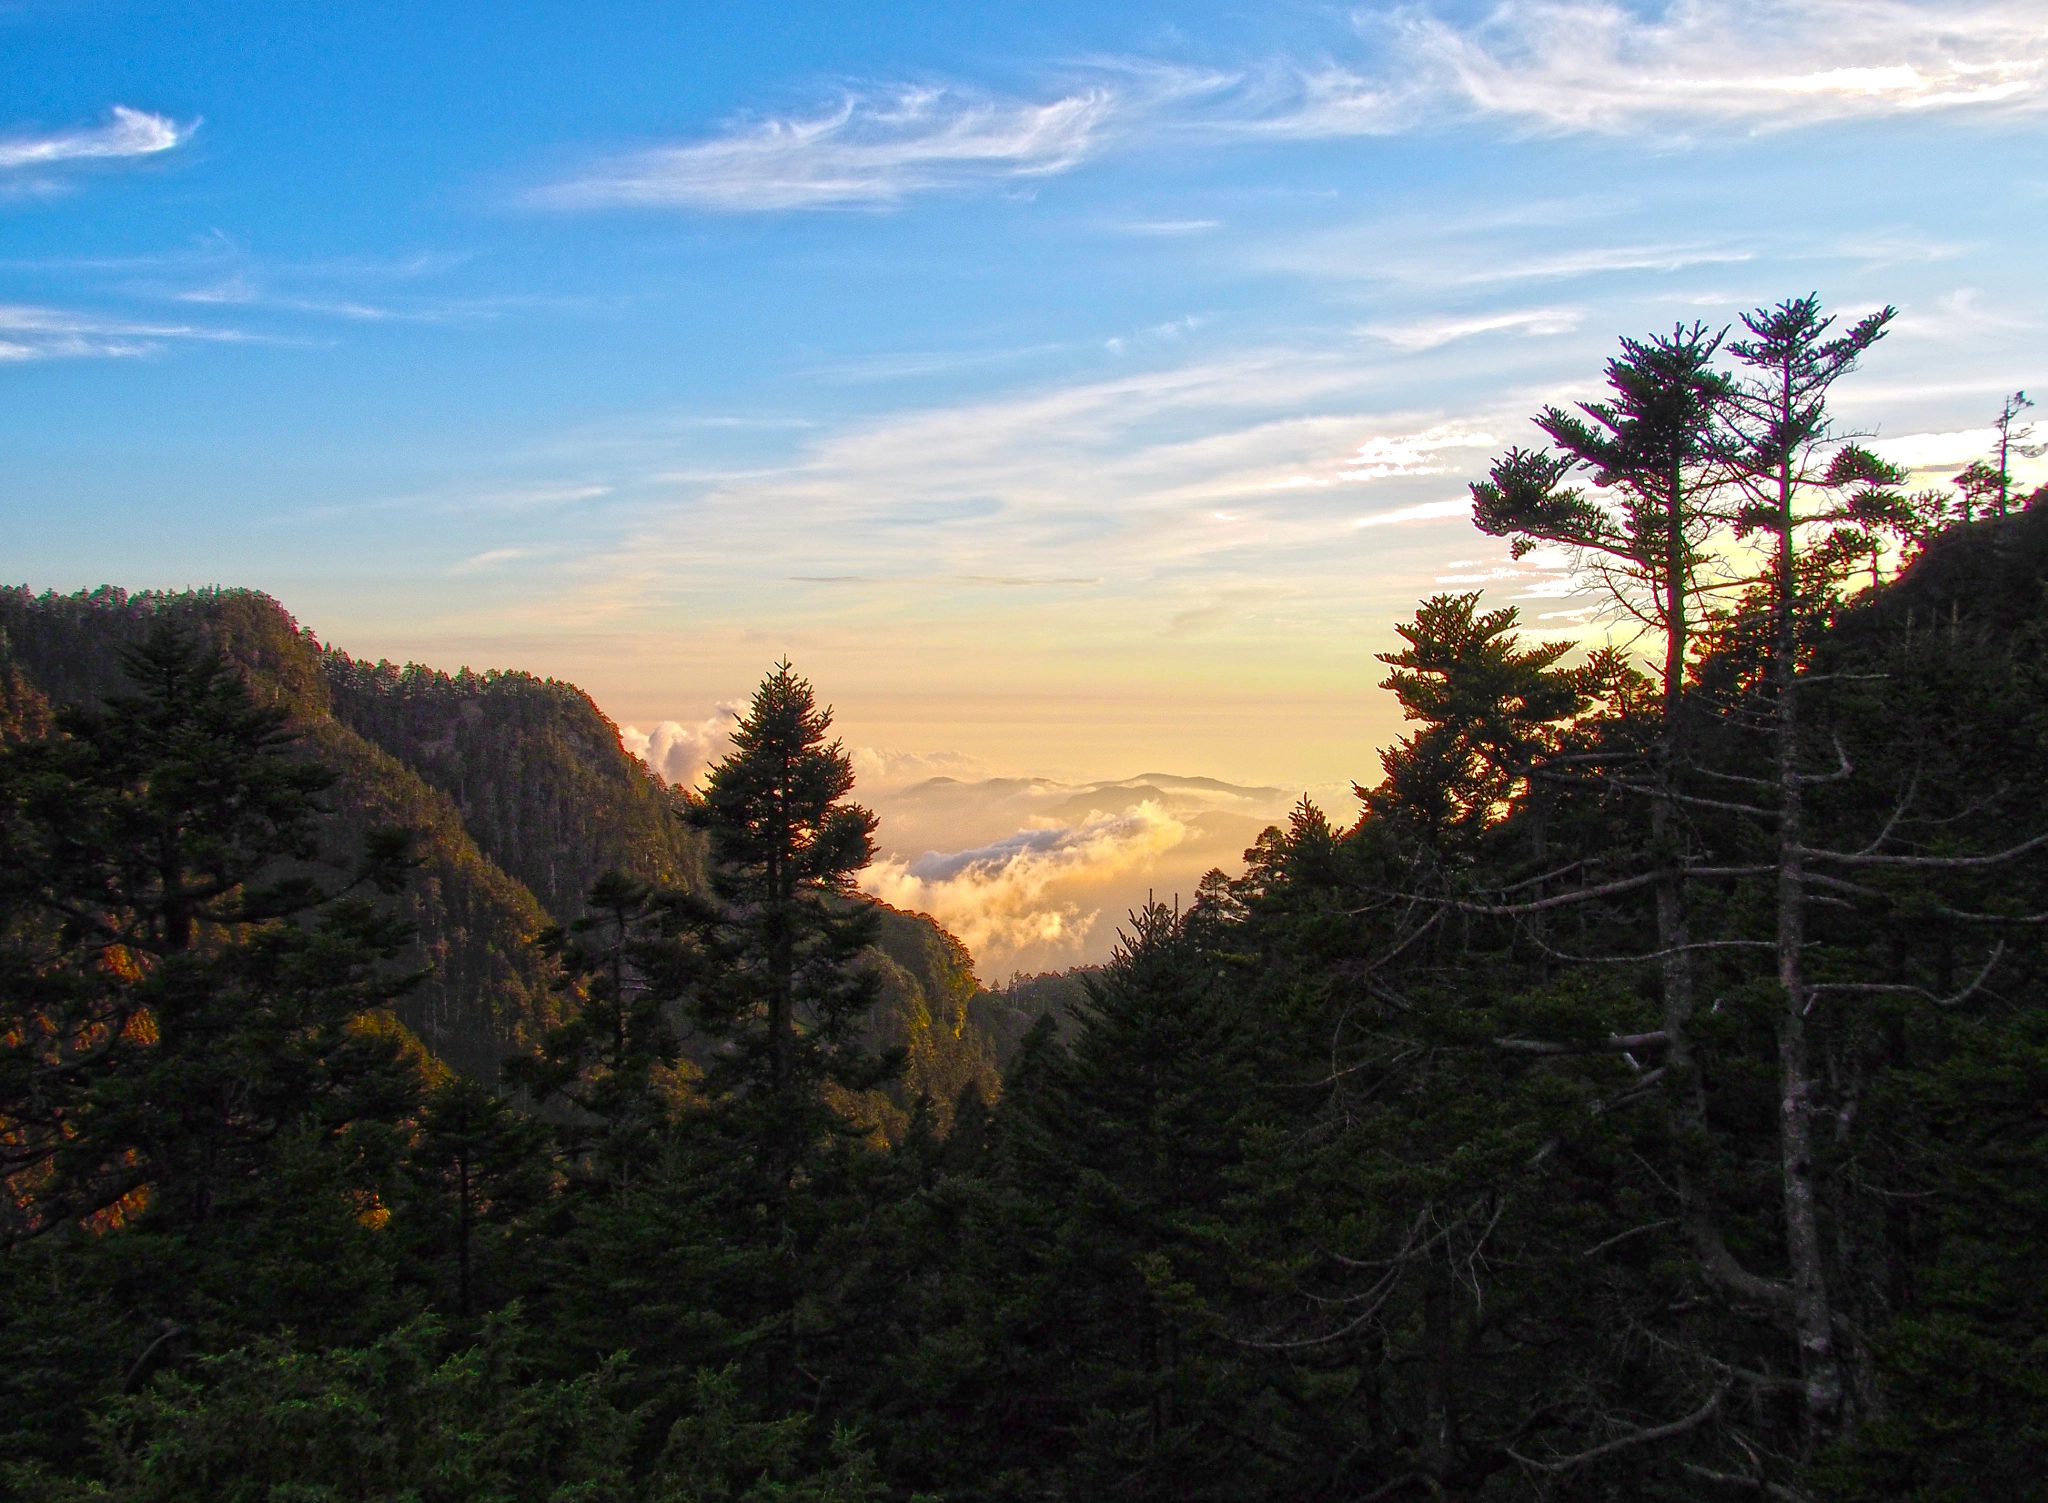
1551, 65
1065, 475
129, 133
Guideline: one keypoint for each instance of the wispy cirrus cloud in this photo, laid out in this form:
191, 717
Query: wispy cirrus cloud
1429, 333
1160, 227
1558, 66
489, 558
1597, 65
129, 133
1426, 511
1157, 491
1389, 455
34, 333
867, 150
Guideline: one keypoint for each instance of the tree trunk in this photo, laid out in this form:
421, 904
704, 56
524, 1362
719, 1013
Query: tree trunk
462, 1225
1813, 1322
1674, 932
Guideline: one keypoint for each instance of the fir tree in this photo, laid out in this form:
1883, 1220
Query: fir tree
782, 991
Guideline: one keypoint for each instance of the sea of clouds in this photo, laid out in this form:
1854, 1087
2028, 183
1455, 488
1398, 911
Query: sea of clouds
1031, 873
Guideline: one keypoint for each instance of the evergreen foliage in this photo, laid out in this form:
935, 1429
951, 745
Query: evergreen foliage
535, 769
472, 925
782, 994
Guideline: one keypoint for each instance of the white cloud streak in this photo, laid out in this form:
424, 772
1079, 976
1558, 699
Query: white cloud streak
1428, 334
28, 332
490, 558
1427, 511
867, 151
1237, 462
1595, 65
130, 133
1396, 455
1548, 65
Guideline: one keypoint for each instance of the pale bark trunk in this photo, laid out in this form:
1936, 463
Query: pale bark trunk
1673, 928
1813, 1321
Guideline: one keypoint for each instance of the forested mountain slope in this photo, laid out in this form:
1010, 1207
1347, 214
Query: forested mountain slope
537, 771
485, 990
517, 790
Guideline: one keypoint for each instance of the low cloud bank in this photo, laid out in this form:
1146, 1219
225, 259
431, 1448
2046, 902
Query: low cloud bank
1034, 892
1034, 874
681, 753
1031, 873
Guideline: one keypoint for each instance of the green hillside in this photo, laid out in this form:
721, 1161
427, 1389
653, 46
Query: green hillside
535, 769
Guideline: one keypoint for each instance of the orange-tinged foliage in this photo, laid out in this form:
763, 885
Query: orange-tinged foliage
370, 1211
382, 1023
122, 962
112, 1218
22, 1187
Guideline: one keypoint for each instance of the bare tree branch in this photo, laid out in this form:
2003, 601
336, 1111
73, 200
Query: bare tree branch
1720, 1264
1871, 857
1635, 1231
1997, 954
1754, 1484
1580, 895
1640, 1437
1614, 1043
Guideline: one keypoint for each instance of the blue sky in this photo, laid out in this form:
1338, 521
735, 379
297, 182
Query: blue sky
1069, 389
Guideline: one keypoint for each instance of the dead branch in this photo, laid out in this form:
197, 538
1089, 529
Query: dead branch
1997, 954
1843, 768
1580, 895
1692, 800
1635, 1231
1614, 1043
1640, 1437
1702, 944
1637, 1092
1868, 856
1721, 1265
1562, 871
1754, 1484
1388, 1489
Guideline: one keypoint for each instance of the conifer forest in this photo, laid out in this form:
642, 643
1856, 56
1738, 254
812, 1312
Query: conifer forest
1640, 1092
